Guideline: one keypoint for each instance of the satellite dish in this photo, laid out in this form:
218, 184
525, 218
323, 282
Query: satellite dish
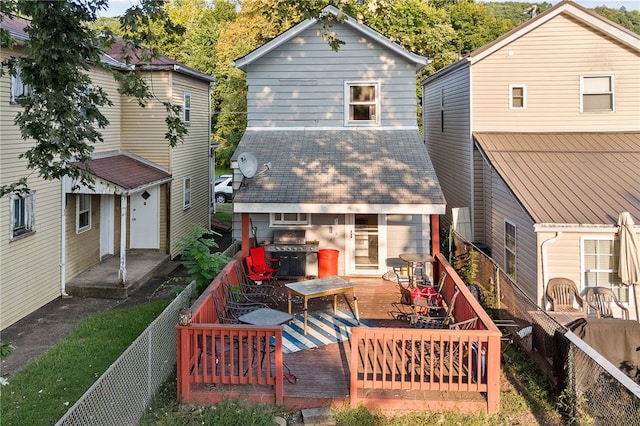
248, 164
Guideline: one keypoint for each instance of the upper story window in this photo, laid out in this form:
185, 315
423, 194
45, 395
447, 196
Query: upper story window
22, 210
288, 219
510, 248
517, 97
600, 258
596, 93
19, 90
187, 108
362, 103
186, 192
83, 213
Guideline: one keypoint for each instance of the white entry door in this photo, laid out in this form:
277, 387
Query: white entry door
365, 244
144, 222
106, 225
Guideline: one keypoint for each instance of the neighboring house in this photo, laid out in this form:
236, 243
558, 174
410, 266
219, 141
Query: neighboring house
146, 193
337, 147
535, 139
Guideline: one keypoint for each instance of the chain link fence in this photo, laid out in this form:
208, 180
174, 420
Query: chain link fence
122, 393
590, 390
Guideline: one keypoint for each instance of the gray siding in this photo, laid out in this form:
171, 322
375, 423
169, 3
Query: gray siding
301, 83
450, 150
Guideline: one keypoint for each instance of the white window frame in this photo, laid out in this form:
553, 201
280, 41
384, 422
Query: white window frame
347, 103
512, 87
187, 108
83, 208
278, 219
610, 92
25, 226
19, 90
509, 251
621, 290
186, 192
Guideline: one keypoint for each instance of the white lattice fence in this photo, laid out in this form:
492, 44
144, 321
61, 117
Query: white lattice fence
122, 393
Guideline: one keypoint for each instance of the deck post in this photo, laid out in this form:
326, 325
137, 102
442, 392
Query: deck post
435, 234
183, 346
493, 375
245, 235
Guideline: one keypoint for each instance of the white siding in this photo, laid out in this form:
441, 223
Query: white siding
301, 83
450, 150
550, 61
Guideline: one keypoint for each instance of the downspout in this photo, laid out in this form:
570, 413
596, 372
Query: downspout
63, 244
543, 259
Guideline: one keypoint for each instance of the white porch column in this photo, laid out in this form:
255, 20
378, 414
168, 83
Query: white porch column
122, 273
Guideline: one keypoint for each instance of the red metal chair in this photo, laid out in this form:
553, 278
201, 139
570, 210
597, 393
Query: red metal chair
262, 263
255, 275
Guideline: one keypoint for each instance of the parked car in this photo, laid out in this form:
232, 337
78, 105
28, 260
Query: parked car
223, 188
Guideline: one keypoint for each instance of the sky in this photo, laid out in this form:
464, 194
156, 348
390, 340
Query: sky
117, 7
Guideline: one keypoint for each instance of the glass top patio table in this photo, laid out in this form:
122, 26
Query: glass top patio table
265, 316
415, 261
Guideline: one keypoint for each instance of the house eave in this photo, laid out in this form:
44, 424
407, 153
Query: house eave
319, 208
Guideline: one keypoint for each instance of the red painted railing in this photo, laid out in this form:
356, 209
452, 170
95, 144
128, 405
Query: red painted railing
210, 353
381, 358
430, 360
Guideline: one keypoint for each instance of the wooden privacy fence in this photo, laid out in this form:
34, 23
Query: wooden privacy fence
430, 360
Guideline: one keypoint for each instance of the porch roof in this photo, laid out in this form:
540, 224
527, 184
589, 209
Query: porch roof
568, 178
121, 173
339, 171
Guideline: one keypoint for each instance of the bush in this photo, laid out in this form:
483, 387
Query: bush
198, 257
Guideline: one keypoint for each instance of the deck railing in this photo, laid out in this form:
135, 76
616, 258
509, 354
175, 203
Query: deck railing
430, 360
210, 353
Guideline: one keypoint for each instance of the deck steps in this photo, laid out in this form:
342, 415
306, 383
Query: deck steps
317, 417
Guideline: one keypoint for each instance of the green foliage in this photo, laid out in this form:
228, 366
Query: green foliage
6, 349
630, 19
42, 392
516, 12
198, 257
466, 265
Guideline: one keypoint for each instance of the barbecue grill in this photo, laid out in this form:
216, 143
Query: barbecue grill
292, 248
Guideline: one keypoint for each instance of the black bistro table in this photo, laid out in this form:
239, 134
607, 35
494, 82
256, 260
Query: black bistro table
265, 317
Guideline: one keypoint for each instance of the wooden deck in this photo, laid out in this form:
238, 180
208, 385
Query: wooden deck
322, 376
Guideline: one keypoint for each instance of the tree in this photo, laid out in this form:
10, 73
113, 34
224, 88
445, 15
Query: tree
62, 115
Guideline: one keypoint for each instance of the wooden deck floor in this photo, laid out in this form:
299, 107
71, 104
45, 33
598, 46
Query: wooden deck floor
322, 374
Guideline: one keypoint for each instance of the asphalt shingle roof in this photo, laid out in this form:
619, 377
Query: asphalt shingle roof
569, 178
347, 167
126, 172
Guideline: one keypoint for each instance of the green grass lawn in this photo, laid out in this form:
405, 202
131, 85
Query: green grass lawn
42, 392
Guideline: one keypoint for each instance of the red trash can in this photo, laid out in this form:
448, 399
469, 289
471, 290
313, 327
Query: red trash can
327, 262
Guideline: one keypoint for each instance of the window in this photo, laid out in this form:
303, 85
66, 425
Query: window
286, 219
600, 265
517, 97
186, 192
510, 248
597, 93
22, 214
83, 213
19, 90
363, 103
187, 108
